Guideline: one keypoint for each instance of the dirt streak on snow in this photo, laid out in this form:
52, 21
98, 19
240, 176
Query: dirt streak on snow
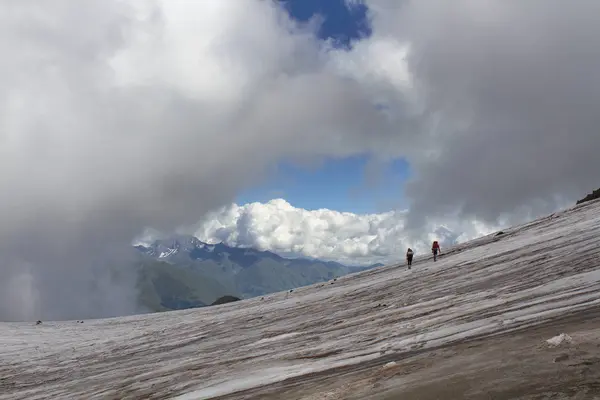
492, 285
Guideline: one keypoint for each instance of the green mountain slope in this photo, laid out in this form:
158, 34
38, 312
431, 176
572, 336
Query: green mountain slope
182, 272
267, 276
163, 286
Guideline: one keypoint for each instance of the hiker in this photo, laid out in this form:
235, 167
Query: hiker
435, 248
409, 257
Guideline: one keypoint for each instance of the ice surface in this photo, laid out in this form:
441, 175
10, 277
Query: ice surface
492, 285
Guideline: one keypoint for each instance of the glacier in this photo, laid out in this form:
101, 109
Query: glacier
373, 333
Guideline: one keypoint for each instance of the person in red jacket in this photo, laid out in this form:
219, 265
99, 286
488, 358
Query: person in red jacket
435, 248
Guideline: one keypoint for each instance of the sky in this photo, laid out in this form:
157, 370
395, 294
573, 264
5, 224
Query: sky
338, 184
239, 122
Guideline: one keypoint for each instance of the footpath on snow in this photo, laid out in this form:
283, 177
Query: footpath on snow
514, 315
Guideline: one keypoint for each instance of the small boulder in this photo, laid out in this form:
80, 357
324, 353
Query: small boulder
225, 299
562, 357
559, 340
391, 364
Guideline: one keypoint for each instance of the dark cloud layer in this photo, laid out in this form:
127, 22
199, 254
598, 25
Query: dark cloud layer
512, 90
116, 116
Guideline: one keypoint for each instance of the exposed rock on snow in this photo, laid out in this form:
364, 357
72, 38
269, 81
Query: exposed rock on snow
563, 338
225, 299
391, 364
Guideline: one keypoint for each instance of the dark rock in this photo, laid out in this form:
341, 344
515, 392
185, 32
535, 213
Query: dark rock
291, 290
175, 303
499, 233
38, 322
592, 196
225, 299
562, 357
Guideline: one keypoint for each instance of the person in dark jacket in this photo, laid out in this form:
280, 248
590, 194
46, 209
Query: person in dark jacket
409, 257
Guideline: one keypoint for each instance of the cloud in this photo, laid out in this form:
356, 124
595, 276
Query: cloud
349, 238
119, 115
115, 116
509, 99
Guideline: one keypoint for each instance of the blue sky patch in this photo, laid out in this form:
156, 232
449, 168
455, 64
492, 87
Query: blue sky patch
340, 23
349, 184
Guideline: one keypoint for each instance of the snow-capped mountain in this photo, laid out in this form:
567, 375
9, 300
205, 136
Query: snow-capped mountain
243, 272
165, 248
179, 248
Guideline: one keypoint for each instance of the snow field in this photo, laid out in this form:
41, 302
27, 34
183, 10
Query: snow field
489, 286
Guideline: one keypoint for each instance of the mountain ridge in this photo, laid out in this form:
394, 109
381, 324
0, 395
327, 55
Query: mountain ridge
182, 271
166, 249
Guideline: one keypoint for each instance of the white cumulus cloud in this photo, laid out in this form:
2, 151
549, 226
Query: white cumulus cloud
346, 237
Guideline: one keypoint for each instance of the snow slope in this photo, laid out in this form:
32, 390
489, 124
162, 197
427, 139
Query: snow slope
496, 284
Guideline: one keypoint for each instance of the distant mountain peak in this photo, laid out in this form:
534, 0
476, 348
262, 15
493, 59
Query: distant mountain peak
180, 247
181, 271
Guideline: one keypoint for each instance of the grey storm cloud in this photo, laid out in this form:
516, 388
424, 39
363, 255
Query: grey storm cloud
511, 92
116, 116
111, 121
